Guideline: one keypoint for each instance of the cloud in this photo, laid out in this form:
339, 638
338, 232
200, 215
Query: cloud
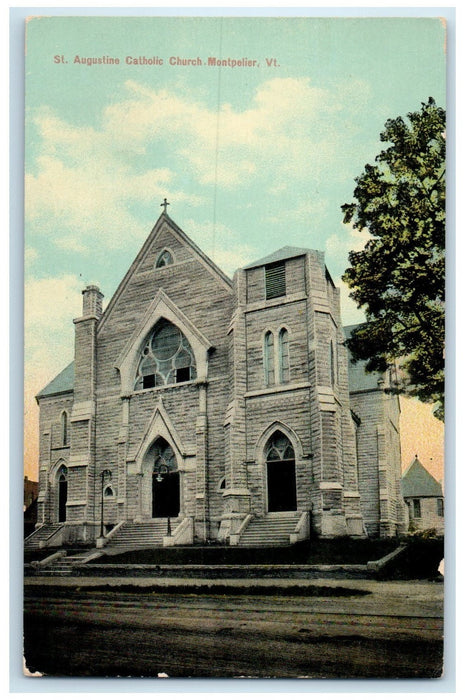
89, 181
350, 313
348, 239
83, 184
221, 245
50, 306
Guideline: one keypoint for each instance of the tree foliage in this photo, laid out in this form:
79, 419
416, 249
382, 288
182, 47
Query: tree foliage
399, 277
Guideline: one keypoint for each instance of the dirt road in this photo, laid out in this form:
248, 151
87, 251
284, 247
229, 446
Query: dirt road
393, 631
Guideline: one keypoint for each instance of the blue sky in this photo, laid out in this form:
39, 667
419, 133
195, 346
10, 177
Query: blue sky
251, 158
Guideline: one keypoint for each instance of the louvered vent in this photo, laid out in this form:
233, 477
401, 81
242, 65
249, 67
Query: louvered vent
275, 280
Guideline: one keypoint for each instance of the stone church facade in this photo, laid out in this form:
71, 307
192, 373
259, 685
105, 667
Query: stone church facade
222, 410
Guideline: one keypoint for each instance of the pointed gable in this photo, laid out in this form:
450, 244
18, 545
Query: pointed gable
166, 235
189, 290
417, 482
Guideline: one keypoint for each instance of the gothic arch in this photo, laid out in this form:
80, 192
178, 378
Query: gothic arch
266, 435
64, 428
60, 490
53, 473
159, 426
161, 307
164, 259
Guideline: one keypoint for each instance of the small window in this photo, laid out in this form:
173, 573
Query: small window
283, 356
275, 280
222, 484
416, 508
148, 381
441, 507
165, 258
183, 374
108, 493
268, 358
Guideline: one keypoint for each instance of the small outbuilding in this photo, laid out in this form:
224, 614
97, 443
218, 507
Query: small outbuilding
424, 497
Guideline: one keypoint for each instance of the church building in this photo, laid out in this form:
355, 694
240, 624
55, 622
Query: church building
202, 409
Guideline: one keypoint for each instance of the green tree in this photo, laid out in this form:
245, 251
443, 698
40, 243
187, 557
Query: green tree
398, 279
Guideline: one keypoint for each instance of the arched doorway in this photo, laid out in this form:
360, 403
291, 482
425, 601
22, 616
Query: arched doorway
280, 468
62, 493
165, 481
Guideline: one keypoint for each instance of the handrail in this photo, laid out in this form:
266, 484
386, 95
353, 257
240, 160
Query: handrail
114, 530
60, 527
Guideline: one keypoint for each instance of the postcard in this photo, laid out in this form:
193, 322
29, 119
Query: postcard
234, 347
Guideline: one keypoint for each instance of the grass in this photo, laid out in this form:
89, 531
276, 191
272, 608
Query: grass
342, 550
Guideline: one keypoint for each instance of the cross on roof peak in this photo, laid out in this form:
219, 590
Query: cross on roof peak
165, 204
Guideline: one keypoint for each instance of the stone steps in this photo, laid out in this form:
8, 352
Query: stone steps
65, 565
142, 535
42, 534
272, 530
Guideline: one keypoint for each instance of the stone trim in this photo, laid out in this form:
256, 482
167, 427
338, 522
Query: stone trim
84, 410
279, 301
79, 460
277, 389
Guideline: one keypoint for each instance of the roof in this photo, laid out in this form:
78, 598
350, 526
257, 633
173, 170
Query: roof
281, 254
359, 378
61, 384
418, 482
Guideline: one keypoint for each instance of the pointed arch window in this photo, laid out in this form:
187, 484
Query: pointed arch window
164, 459
279, 448
268, 358
64, 428
281, 477
166, 358
283, 354
62, 482
165, 258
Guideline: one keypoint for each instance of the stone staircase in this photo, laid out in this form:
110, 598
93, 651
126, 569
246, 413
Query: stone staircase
41, 535
273, 530
142, 535
65, 565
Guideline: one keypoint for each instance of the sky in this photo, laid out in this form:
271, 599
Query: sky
251, 157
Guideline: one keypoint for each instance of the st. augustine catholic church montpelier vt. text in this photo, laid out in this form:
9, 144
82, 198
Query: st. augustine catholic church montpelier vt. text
202, 409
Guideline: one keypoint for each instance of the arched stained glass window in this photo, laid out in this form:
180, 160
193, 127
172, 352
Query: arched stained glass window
164, 458
279, 448
268, 358
166, 358
165, 258
283, 343
281, 478
62, 478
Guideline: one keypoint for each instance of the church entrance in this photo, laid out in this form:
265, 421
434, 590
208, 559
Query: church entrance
165, 495
62, 494
165, 481
280, 467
